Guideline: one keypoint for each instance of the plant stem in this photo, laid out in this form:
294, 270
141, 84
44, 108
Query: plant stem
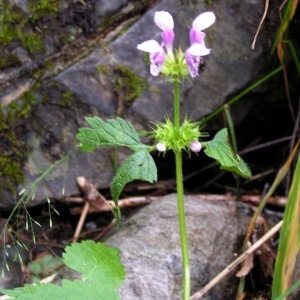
177, 107
180, 201
182, 228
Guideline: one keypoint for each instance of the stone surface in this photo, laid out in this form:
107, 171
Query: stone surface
150, 247
57, 104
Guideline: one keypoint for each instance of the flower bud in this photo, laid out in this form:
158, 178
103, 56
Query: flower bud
195, 146
161, 147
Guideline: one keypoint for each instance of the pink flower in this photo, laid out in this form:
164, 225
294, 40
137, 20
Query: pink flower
157, 53
165, 22
202, 22
193, 54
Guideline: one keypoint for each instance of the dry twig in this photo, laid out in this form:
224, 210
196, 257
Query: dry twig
259, 26
236, 262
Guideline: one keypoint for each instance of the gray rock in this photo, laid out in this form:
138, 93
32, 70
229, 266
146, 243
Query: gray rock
150, 247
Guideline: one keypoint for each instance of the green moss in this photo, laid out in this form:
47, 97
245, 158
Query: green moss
16, 25
11, 158
21, 108
11, 19
102, 69
67, 99
53, 84
10, 60
10, 169
128, 84
7, 34
38, 73
13, 149
41, 8
32, 42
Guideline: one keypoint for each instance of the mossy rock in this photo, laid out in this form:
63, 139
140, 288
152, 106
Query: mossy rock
126, 85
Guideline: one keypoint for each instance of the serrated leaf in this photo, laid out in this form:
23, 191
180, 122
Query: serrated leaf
81, 290
113, 132
139, 166
70, 290
96, 261
220, 150
36, 292
100, 265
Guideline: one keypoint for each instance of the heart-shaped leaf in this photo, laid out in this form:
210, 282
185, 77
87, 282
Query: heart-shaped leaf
219, 149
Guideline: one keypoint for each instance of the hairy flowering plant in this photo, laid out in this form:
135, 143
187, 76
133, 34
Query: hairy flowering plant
173, 134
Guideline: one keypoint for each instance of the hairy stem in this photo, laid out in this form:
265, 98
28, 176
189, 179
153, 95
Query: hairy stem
182, 227
177, 107
180, 201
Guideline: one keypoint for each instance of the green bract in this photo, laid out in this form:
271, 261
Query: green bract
175, 67
177, 140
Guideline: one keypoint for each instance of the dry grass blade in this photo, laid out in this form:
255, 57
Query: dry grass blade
288, 16
260, 24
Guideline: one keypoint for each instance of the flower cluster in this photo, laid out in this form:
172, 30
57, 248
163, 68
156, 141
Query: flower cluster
162, 58
184, 139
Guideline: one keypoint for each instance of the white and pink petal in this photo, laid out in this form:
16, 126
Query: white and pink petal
204, 21
164, 20
198, 50
150, 46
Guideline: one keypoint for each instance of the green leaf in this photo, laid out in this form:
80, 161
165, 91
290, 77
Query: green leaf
36, 292
96, 262
118, 132
289, 241
70, 290
139, 166
99, 264
283, 296
220, 150
43, 266
114, 132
